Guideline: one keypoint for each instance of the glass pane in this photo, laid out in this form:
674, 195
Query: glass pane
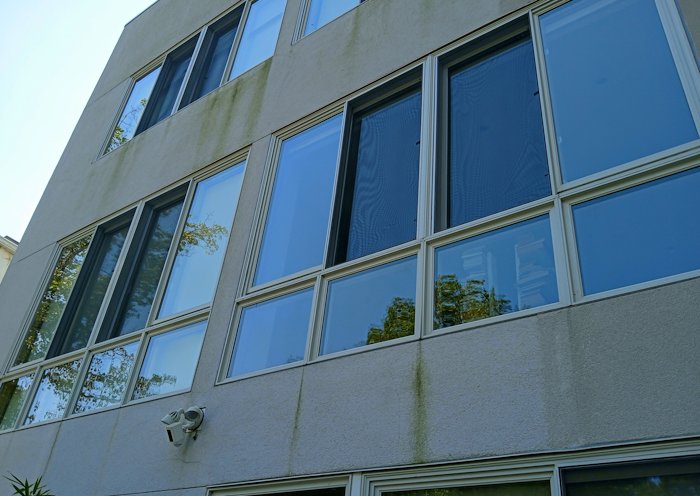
370, 307
170, 361
613, 83
94, 291
143, 289
107, 378
174, 69
383, 179
53, 301
53, 395
639, 234
272, 333
129, 120
499, 272
12, 396
668, 485
212, 61
259, 35
295, 230
203, 242
324, 11
497, 156
539, 488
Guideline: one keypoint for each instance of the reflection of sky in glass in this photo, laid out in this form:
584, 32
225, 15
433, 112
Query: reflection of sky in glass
360, 302
497, 152
170, 361
107, 378
616, 94
539, 488
54, 392
639, 234
12, 396
259, 35
499, 272
323, 11
133, 110
143, 290
295, 230
203, 243
272, 333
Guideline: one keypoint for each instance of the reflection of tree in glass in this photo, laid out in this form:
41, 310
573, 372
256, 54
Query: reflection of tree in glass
201, 234
12, 394
399, 321
54, 392
664, 485
106, 380
124, 131
456, 303
153, 385
53, 301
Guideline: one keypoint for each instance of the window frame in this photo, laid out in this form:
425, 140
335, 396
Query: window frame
303, 18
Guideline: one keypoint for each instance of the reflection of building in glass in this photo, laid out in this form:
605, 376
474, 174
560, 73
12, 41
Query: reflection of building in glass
406, 248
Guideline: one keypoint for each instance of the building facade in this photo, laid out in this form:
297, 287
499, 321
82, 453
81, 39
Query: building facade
401, 247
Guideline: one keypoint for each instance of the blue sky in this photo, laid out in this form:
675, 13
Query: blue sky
52, 55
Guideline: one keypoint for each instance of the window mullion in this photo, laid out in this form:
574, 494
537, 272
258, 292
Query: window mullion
313, 336
427, 136
79, 378
565, 284
188, 73
236, 42
136, 368
30, 397
574, 267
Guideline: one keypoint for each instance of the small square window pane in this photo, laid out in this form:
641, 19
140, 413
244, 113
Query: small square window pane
639, 234
133, 110
497, 155
203, 243
53, 301
170, 361
615, 90
259, 35
499, 272
370, 307
12, 396
322, 12
272, 333
297, 220
54, 392
107, 378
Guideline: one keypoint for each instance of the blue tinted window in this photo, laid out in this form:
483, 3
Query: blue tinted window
259, 35
272, 333
497, 156
639, 234
295, 230
499, 272
616, 94
324, 11
54, 392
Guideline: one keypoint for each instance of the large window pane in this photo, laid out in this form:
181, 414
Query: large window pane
324, 11
53, 394
53, 301
259, 35
381, 179
12, 396
203, 242
499, 272
272, 333
140, 298
297, 221
497, 156
170, 361
538, 488
91, 296
616, 94
639, 234
133, 110
107, 378
370, 307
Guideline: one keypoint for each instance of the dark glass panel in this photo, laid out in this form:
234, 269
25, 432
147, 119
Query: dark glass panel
12, 396
497, 156
53, 301
382, 179
616, 94
143, 289
538, 488
495, 273
296, 225
370, 307
272, 333
639, 234
54, 392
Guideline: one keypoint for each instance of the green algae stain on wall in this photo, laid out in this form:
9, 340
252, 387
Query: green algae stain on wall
419, 417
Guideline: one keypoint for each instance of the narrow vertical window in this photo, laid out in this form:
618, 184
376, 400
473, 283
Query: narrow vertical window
379, 198
259, 35
616, 93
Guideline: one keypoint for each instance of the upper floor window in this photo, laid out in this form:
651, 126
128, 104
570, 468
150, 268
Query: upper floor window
321, 12
221, 51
